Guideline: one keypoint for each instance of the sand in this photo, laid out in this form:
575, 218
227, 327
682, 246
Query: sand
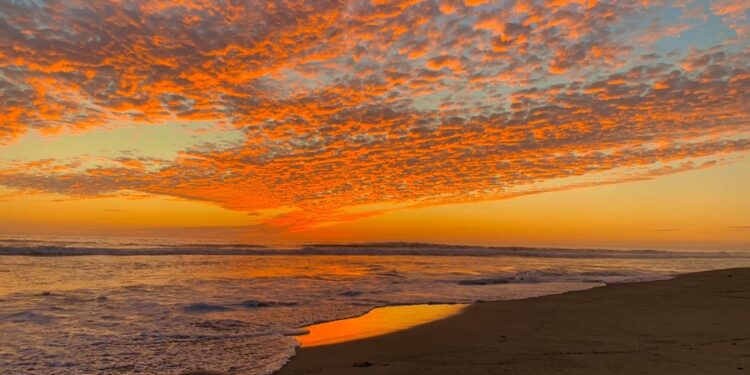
693, 324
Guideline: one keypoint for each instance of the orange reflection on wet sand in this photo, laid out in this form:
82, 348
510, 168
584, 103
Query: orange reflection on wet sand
379, 321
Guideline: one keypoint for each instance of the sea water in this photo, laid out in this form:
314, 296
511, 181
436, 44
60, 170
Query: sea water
97, 307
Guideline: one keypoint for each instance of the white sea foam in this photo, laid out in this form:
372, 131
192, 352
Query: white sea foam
167, 314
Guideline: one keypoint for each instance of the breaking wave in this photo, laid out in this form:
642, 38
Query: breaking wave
37, 248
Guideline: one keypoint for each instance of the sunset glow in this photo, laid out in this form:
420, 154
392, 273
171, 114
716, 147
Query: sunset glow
621, 124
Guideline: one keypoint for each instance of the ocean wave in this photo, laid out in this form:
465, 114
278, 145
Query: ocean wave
202, 307
28, 317
371, 249
250, 304
541, 276
350, 293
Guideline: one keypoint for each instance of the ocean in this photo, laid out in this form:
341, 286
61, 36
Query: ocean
103, 306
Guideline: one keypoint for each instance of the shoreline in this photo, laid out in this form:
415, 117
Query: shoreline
581, 332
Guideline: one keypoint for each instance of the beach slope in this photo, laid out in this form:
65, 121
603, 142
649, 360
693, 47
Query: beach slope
692, 324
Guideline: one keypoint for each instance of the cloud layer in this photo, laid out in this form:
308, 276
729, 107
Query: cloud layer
364, 103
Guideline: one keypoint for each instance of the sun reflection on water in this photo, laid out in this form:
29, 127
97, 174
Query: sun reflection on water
379, 321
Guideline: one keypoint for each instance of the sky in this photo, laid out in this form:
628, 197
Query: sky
622, 124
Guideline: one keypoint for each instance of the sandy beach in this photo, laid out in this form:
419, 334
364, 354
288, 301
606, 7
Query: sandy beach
693, 324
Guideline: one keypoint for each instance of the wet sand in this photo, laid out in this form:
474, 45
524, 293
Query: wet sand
693, 324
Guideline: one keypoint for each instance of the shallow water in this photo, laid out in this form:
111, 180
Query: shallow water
376, 322
165, 314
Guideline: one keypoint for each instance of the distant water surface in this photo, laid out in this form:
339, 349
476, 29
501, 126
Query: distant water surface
165, 309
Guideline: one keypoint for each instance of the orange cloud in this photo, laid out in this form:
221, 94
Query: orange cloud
349, 103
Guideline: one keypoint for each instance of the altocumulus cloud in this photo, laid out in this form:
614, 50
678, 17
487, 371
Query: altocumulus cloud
349, 103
